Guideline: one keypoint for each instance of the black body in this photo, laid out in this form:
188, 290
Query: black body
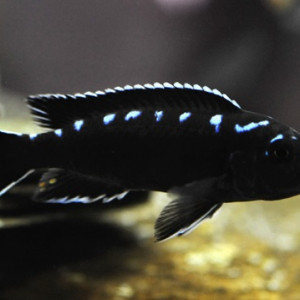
192, 141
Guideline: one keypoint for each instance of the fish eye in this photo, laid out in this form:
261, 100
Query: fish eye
280, 151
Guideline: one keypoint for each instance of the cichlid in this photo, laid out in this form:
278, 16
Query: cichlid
187, 140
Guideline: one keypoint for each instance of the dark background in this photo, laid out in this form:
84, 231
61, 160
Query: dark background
248, 49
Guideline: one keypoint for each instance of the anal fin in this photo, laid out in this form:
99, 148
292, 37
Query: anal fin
60, 186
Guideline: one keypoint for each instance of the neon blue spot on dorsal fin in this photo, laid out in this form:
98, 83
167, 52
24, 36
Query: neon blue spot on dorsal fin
168, 85
184, 116
158, 85
58, 132
11, 132
32, 136
132, 115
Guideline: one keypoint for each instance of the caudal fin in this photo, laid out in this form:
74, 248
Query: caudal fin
13, 165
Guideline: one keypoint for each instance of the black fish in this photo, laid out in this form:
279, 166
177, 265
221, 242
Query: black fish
184, 139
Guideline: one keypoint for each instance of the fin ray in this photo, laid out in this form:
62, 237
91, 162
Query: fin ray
194, 203
14, 183
181, 216
57, 110
60, 186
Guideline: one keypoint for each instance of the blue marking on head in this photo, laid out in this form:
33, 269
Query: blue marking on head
108, 118
32, 136
266, 153
277, 137
216, 121
183, 117
132, 115
58, 132
239, 129
158, 115
78, 124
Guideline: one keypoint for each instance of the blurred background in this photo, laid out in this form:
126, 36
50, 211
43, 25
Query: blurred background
247, 49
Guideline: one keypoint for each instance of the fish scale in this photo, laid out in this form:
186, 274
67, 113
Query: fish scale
192, 142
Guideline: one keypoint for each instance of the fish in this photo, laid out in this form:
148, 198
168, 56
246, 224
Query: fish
190, 141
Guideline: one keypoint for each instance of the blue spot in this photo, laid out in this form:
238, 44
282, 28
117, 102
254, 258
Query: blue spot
33, 136
108, 118
133, 115
216, 120
158, 115
294, 137
58, 132
78, 125
238, 128
263, 123
277, 137
183, 117
267, 153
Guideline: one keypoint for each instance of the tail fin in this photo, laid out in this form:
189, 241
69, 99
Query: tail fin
13, 164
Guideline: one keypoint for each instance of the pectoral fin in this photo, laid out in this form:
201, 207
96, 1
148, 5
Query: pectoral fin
181, 216
186, 212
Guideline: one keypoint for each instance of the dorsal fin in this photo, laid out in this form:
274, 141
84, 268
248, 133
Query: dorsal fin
57, 110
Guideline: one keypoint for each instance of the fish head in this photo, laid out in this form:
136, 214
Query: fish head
279, 165
269, 167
